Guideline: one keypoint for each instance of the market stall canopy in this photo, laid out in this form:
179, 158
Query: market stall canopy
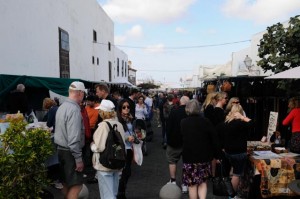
293, 73
56, 85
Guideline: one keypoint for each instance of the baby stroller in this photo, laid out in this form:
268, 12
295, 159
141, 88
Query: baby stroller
140, 129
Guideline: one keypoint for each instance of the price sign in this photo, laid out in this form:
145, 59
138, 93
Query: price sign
272, 124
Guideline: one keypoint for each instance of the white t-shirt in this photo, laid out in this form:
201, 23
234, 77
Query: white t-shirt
140, 112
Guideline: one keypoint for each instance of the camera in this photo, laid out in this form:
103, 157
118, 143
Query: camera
136, 140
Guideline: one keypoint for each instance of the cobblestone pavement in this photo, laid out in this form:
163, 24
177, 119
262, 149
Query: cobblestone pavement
146, 180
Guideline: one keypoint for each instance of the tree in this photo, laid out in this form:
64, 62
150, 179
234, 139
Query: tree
23, 152
279, 49
148, 85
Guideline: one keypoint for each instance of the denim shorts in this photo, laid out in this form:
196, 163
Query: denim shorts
238, 162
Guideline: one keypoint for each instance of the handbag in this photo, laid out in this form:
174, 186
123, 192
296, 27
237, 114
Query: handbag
222, 185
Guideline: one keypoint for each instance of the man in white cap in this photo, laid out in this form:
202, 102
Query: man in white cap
69, 137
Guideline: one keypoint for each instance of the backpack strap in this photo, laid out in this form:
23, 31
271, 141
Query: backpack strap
114, 127
109, 125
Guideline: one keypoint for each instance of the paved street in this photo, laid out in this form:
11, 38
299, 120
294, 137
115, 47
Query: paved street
146, 180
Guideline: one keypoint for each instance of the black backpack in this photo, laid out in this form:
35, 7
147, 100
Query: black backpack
114, 155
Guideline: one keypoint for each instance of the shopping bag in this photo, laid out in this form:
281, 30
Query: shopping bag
137, 153
222, 185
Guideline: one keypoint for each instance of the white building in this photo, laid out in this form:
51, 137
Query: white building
59, 38
131, 74
205, 72
238, 58
235, 67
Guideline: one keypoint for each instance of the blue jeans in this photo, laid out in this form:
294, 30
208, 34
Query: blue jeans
108, 183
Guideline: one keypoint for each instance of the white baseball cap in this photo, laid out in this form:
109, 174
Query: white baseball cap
77, 86
106, 105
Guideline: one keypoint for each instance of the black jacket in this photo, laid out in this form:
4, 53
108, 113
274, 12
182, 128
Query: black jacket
17, 101
200, 140
233, 135
174, 137
219, 116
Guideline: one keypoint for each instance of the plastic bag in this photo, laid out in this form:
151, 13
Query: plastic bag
32, 118
137, 153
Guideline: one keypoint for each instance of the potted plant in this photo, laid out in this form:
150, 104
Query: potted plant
23, 152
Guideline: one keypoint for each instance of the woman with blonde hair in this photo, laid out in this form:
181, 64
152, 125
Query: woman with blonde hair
231, 102
209, 105
233, 133
108, 179
219, 113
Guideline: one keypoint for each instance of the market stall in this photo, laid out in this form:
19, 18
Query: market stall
273, 170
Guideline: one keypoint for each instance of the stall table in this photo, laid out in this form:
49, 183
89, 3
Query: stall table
276, 174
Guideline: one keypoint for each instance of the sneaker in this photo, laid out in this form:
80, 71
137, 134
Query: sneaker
184, 189
171, 182
158, 126
58, 185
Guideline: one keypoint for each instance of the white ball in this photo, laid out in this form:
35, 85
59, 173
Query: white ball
170, 191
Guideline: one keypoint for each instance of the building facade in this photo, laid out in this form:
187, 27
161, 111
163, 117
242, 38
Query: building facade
61, 39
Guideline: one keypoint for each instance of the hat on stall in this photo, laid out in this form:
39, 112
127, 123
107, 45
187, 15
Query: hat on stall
295, 186
77, 86
106, 105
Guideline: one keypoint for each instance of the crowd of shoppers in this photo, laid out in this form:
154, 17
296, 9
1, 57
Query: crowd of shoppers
202, 135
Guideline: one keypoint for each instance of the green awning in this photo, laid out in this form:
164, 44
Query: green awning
56, 85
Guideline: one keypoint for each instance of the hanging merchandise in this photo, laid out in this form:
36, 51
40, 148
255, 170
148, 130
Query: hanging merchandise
226, 86
211, 88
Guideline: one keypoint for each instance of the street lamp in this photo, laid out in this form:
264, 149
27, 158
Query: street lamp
248, 62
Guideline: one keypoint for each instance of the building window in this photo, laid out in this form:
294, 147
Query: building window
125, 69
109, 71
97, 60
93, 59
118, 67
64, 58
109, 46
122, 68
94, 36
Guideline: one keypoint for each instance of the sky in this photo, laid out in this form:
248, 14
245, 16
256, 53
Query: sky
166, 40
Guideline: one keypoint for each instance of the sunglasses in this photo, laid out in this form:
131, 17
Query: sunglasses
124, 107
235, 102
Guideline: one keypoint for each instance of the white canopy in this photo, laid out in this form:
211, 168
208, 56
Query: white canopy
293, 73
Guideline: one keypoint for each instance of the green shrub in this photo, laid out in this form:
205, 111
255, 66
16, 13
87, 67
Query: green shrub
23, 152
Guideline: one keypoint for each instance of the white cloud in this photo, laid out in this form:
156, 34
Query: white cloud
134, 33
180, 30
158, 48
261, 11
149, 10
